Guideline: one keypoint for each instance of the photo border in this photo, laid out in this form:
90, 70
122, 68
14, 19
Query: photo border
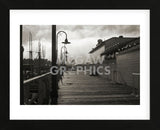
153, 123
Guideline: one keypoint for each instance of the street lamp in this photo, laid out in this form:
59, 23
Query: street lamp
64, 47
54, 91
66, 41
64, 53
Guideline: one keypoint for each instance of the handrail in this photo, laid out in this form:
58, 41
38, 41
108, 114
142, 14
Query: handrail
34, 78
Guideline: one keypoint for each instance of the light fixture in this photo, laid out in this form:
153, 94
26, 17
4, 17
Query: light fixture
66, 41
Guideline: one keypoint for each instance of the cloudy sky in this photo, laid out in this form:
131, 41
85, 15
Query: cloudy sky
82, 37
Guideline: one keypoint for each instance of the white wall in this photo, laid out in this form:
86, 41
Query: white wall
97, 53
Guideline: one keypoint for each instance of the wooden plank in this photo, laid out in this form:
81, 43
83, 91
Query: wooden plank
88, 90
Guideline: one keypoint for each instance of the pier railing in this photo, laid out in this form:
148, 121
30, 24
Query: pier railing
37, 89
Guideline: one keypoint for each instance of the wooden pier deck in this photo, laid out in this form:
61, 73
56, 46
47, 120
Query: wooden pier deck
92, 90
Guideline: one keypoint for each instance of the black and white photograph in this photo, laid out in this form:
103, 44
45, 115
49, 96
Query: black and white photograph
80, 64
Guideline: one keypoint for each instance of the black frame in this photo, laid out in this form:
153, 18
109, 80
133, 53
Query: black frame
5, 6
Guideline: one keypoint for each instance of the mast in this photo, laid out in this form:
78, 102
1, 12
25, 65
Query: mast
30, 52
39, 56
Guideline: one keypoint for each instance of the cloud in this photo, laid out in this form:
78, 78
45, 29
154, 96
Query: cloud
85, 31
82, 37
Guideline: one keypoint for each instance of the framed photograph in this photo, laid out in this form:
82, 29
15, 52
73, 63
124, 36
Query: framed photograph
90, 65
78, 64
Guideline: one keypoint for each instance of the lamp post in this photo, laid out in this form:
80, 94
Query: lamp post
63, 54
54, 91
64, 48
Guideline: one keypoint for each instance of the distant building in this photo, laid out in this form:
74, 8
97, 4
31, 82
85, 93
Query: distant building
122, 54
98, 50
